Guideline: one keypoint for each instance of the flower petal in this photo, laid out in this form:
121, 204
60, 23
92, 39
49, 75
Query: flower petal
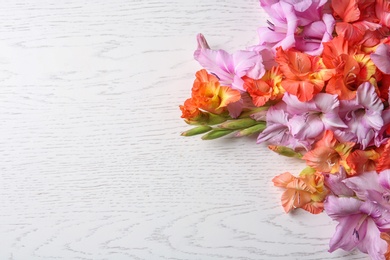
344, 236
335, 184
381, 58
371, 243
283, 179
337, 208
363, 182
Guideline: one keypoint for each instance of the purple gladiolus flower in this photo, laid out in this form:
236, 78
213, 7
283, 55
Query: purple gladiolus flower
277, 130
362, 219
356, 228
363, 115
310, 119
334, 182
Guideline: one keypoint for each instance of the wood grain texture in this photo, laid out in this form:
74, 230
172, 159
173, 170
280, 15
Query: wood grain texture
92, 164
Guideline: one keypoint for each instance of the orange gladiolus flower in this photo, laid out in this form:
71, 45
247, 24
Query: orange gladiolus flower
353, 10
347, 10
361, 161
359, 22
189, 110
305, 75
329, 154
351, 68
333, 50
265, 89
306, 191
364, 33
209, 95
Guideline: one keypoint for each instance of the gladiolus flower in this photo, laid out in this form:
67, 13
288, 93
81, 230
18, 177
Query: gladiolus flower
328, 154
189, 110
280, 32
299, 24
305, 74
278, 131
357, 227
361, 161
309, 39
310, 119
229, 68
363, 114
364, 218
347, 10
351, 69
209, 95
334, 182
265, 89
306, 191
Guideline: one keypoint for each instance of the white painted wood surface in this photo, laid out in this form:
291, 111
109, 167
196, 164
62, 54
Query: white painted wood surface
92, 162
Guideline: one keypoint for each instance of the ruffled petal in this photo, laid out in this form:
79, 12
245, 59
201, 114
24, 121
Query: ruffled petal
338, 208
363, 182
335, 184
345, 234
283, 179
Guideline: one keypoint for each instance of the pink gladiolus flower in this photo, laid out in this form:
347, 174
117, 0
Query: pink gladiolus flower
314, 34
296, 23
280, 32
229, 68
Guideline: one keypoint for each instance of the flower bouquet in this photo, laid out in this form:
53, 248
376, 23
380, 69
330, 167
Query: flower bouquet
316, 87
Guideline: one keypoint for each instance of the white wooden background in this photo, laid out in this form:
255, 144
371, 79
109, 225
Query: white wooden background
92, 162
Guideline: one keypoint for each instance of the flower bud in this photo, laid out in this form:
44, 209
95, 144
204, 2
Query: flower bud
252, 130
216, 133
197, 130
285, 151
207, 119
238, 124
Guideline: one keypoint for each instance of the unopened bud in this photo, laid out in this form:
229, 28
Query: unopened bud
197, 130
216, 133
207, 119
216, 119
238, 123
202, 43
285, 151
258, 128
